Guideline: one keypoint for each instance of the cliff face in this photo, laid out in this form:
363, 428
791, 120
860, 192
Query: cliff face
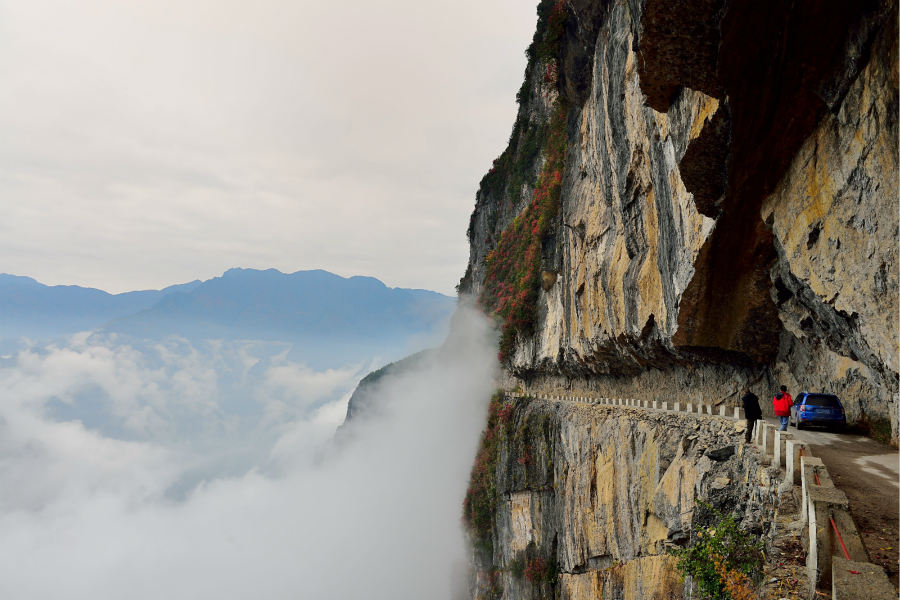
589, 498
726, 206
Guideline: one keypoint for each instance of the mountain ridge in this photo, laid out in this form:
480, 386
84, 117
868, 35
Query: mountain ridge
245, 303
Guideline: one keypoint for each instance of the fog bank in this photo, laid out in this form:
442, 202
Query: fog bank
378, 517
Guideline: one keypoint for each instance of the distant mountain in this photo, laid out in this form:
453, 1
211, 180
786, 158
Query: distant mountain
253, 304
329, 320
365, 397
37, 311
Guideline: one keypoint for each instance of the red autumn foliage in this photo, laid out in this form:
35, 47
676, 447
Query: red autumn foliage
536, 569
525, 459
512, 282
478, 505
551, 73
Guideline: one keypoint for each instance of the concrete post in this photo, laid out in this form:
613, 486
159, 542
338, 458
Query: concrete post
768, 438
807, 464
676, 406
737, 413
792, 449
722, 411
656, 404
688, 407
780, 438
822, 542
851, 580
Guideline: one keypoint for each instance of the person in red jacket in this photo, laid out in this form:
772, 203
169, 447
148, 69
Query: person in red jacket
782, 403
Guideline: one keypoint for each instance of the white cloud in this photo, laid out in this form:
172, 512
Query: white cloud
155, 142
85, 516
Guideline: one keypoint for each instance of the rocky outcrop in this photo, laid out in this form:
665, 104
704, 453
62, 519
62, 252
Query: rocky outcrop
835, 224
365, 398
727, 214
591, 498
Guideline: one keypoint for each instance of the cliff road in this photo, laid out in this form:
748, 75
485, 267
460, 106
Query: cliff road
696, 198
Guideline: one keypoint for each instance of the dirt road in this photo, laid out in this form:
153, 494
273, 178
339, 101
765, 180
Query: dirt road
869, 473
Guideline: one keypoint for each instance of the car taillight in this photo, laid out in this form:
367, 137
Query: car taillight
802, 409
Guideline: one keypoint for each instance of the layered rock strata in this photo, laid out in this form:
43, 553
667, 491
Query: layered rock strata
597, 496
728, 211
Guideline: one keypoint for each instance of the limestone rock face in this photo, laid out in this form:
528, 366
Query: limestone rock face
604, 492
835, 221
728, 213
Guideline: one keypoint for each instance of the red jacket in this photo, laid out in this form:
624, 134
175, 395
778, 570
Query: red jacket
782, 403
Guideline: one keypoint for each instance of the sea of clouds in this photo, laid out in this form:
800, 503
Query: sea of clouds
178, 470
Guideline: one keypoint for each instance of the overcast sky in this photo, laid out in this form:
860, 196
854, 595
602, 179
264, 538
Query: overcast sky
147, 143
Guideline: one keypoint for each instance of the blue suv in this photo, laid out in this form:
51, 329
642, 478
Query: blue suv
817, 409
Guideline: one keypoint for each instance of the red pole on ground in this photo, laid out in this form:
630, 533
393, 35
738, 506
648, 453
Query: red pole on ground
840, 539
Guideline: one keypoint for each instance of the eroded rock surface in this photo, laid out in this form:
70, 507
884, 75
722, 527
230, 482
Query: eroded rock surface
728, 208
604, 492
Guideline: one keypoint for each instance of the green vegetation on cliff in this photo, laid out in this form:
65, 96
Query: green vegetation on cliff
723, 561
514, 267
481, 497
513, 276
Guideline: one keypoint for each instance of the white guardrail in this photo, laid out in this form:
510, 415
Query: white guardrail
735, 412
836, 557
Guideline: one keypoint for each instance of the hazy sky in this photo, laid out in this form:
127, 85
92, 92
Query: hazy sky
147, 143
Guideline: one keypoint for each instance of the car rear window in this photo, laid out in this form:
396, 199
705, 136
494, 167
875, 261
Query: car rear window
822, 400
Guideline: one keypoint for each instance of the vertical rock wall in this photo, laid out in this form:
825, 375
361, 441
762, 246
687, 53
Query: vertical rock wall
834, 217
728, 210
602, 493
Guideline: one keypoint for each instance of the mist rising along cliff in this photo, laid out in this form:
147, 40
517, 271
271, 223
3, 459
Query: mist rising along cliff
695, 197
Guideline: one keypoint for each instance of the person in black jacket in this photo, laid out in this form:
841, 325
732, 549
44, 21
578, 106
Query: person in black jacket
751, 411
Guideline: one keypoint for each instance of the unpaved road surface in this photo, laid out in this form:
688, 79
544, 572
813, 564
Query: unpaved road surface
869, 473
